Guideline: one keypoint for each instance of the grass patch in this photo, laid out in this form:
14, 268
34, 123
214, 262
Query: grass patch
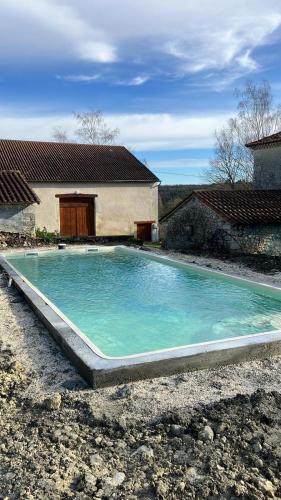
151, 244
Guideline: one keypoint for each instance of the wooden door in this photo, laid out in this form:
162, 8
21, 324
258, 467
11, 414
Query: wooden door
68, 221
77, 217
144, 231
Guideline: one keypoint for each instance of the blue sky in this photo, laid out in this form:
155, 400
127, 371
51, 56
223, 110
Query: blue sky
163, 72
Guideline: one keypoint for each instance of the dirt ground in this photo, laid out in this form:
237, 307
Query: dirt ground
210, 434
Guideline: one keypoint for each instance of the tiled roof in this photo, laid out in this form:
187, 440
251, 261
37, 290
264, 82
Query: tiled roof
14, 189
270, 139
60, 162
240, 207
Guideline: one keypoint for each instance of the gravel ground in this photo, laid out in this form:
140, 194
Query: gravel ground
208, 434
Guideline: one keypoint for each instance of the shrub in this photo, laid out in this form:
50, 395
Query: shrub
135, 241
44, 234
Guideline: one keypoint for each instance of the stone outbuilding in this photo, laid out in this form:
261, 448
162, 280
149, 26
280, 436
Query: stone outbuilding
234, 221
17, 203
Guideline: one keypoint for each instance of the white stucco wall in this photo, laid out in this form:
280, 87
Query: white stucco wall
117, 205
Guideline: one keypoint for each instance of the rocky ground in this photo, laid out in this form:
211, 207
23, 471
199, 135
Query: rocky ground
211, 434
260, 262
59, 448
46, 239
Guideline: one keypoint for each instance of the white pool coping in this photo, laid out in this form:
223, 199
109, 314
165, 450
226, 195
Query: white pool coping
100, 369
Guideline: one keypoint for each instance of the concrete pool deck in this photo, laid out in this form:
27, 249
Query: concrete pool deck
102, 371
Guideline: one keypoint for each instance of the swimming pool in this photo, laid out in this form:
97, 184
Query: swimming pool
122, 314
128, 303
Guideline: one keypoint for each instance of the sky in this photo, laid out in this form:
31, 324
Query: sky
162, 71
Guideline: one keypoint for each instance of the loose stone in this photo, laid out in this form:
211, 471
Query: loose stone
207, 434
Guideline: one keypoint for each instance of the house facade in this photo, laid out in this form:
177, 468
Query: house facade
81, 190
233, 221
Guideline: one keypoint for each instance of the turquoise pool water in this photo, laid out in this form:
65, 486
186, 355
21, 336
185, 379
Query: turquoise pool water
127, 303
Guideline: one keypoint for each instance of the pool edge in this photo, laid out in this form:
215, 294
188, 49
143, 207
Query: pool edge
101, 372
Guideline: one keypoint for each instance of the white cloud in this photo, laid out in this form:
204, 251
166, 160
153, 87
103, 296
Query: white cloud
138, 131
167, 131
97, 52
138, 80
78, 78
194, 36
226, 44
133, 82
247, 62
180, 163
61, 28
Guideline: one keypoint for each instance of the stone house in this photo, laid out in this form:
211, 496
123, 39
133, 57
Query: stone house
17, 201
234, 221
76, 190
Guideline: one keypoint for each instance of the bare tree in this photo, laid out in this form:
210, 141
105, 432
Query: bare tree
93, 129
256, 118
60, 135
225, 168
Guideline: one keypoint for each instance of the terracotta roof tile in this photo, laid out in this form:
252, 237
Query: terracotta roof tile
244, 207
270, 139
239, 207
60, 162
14, 189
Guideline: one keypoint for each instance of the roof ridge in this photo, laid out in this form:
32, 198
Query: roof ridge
268, 139
48, 161
39, 141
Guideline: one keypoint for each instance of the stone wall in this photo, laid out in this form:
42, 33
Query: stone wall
17, 219
267, 171
195, 226
16, 240
258, 239
163, 230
